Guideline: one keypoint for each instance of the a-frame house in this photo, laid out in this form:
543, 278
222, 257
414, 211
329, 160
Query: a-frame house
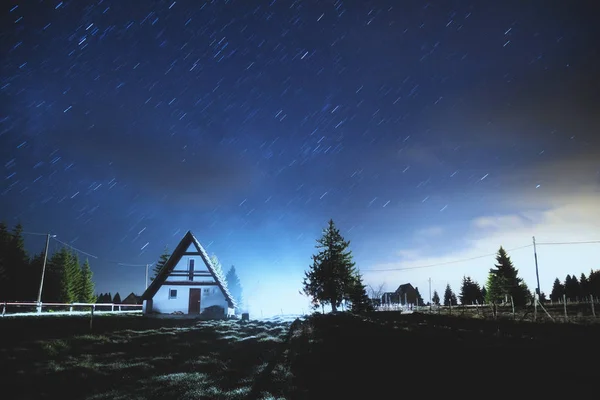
188, 283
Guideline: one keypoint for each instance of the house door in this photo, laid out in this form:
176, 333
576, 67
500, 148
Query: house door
194, 306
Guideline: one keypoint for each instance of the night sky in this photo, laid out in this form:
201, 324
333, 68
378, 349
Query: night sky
429, 131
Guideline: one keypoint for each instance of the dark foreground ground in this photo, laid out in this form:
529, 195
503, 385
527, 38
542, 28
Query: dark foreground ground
330, 357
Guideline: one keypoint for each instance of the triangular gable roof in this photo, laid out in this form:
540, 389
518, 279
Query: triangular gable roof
181, 248
402, 288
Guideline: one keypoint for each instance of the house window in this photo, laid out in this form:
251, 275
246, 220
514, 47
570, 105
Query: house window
172, 293
206, 291
191, 269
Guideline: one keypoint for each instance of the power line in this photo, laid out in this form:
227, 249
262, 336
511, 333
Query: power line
444, 263
559, 243
134, 265
34, 233
76, 249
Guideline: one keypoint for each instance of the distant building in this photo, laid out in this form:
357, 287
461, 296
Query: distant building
405, 293
188, 284
132, 299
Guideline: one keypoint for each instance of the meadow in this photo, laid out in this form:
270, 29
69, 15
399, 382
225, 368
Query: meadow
323, 356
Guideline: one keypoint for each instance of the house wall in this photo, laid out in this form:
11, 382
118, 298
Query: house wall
209, 296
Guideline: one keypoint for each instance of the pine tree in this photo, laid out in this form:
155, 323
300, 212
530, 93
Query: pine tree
332, 275
55, 288
73, 278
494, 293
14, 264
420, 301
117, 298
558, 290
235, 287
470, 292
162, 260
594, 283
34, 276
572, 288
449, 296
584, 285
87, 284
358, 297
510, 284
436, 298
217, 267
483, 295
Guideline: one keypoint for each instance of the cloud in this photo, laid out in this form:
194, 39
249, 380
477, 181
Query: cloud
576, 221
563, 209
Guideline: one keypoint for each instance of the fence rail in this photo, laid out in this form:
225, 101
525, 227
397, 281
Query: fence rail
34, 308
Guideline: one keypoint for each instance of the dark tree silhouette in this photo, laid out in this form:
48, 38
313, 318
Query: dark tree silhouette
449, 297
162, 260
435, 298
470, 292
331, 277
558, 290
117, 298
235, 287
358, 298
87, 284
572, 288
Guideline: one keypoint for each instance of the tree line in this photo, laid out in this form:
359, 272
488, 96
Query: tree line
504, 285
66, 280
576, 290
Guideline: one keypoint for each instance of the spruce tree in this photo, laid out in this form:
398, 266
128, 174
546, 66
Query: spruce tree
87, 284
217, 266
572, 288
594, 283
449, 296
483, 295
358, 298
162, 260
117, 298
506, 277
557, 290
235, 287
470, 292
583, 283
55, 286
435, 298
420, 301
14, 264
73, 278
331, 276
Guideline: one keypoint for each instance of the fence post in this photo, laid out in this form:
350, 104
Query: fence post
119, 307
71, 308
593, 310
512, 303
4, 307
92, 317
565, 305
535, 301
112, 307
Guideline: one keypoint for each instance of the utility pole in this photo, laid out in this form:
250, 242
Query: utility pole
537, 274
39, 299
429, 294
147, 265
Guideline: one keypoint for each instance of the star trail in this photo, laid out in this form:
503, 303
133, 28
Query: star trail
426, 130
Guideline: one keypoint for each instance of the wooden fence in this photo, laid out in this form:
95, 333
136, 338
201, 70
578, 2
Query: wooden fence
34, 308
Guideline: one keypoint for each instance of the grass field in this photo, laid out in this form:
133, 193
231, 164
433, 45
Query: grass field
326, 356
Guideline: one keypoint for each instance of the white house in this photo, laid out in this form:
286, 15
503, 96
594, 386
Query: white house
188, 283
